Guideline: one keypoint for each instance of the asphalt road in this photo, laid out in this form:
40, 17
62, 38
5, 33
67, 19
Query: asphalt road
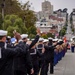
66, 66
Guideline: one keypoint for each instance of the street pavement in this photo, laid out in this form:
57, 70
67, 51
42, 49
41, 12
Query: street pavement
66, 66
69, 34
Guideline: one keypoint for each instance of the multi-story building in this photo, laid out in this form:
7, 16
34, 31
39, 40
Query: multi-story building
61, 14
43, 16
47, 20
47, 7
72, 16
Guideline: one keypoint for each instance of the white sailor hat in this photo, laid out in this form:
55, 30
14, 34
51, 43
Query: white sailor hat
50, 38
24, 36
32, 39
3, 32
45, 40
9, 37
55, 39
28, 39
41, 39
60, 40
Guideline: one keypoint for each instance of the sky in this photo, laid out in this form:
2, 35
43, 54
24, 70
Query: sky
57, 4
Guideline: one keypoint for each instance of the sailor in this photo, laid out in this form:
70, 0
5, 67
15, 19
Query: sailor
7, 55
20, 63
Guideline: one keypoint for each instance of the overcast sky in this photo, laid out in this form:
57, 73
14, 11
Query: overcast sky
58, 4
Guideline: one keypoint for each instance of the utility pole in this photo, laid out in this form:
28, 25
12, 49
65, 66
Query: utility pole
3, 5
24, 20
74, 28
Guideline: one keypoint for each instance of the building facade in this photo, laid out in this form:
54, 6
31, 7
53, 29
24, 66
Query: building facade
48, 21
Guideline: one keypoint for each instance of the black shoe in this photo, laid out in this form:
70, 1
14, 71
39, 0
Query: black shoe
51, 73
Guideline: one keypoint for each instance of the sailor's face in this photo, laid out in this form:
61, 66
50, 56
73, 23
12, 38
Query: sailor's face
25, 40
4, 39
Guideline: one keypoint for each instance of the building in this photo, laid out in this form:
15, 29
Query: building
47, 10
73, 19
43, 17
47, 7
44, 26
48, 21
61, 14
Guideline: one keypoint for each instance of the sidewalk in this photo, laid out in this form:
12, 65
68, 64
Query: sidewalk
66, 66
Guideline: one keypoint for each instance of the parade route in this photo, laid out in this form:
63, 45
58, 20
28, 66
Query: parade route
66, 66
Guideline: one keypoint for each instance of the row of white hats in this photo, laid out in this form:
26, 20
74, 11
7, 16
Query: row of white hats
46, 40
3, 33
42, 39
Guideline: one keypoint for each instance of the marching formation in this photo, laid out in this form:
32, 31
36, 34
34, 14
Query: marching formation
21, 56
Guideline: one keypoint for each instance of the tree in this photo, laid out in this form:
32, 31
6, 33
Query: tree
65, 27
7, 23
31, 36
32, 30
65, 10
10, 30
14, 21
1, 21
27, 15
10, 6
62, 32
60, 10
44, 36
50, 35
23, 11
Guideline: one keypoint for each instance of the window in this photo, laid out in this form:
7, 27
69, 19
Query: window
40, 17
44, 24
40, 24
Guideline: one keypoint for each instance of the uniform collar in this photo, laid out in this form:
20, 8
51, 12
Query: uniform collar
2, 44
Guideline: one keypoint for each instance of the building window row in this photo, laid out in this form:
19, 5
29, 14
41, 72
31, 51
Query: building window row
42, 24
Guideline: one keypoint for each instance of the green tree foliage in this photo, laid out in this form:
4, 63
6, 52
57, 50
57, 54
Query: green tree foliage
32, 30
1, 21
44, 36
65, 10
7, 23
27, 15
62, 32
22, 10
10, 6
10, 30
50, 35
31, 36
73, 30
65, 27
30, 18
23, 18
13, 22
